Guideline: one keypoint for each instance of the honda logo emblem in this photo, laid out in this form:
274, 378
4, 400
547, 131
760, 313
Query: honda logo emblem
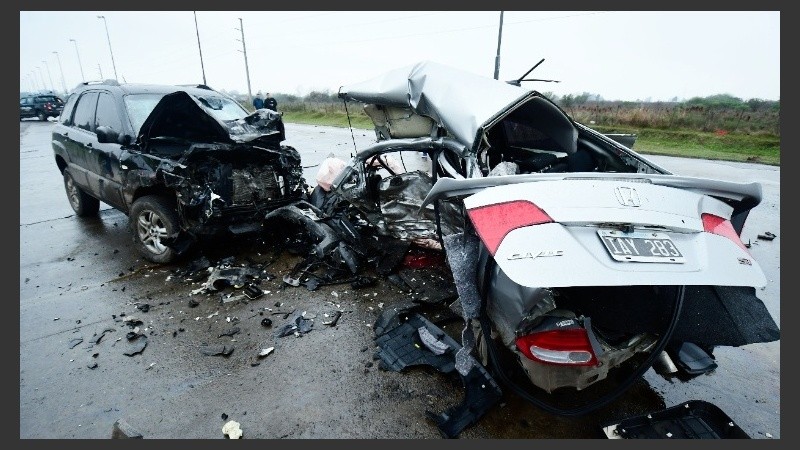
627, 196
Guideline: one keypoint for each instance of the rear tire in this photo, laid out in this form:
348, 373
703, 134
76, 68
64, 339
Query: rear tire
82, 203
42, 116
152, 219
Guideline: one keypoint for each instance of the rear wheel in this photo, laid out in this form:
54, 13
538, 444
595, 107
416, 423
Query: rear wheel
82, 203
153, 219
42, 116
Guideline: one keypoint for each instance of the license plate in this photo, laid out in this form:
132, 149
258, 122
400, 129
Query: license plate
641, 246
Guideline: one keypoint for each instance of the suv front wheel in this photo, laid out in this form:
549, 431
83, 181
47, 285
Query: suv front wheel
152, 220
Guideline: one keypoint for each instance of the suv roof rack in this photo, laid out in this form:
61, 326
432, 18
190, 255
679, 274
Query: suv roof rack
199, 86
109, 82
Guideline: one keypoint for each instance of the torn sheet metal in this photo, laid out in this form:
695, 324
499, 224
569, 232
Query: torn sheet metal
407, 339
429, 90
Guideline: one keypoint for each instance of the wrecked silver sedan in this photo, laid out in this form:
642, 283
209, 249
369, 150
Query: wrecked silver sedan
182, 162
574, 256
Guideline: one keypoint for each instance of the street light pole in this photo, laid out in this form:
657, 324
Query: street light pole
44, 85
246, 67
197, 30
52, 85
101, 70
497, 58
63, 84
83, 78
113, 64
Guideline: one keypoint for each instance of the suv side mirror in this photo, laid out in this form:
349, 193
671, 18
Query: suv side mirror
106, 135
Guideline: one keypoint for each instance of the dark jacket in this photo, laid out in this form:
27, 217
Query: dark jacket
258, 103
271, 103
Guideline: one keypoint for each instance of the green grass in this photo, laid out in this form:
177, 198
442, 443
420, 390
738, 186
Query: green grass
759, 148
335, 119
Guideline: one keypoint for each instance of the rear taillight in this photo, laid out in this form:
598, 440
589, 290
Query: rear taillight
722, 227
570, 347
494, 222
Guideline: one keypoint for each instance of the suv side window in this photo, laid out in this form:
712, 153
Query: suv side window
66, 113
107, 113
84, 112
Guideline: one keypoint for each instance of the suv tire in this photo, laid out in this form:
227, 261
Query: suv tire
82, 203
42, 116
152, 219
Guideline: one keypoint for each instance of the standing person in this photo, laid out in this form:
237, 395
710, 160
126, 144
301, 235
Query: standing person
270, 103
258, 102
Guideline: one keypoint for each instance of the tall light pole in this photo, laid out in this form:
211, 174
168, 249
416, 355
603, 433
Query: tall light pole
497, 58
83, 78
113, 64
199, 48
47, 66
44, 85
101, 70
63, 84
246, 67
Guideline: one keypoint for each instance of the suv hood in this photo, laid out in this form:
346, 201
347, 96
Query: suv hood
466, 105
180, 115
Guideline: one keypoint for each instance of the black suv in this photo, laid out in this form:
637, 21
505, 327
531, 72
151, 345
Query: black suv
182, 162
40, 106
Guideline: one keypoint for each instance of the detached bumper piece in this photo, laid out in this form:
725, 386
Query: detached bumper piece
407, 339
694, 419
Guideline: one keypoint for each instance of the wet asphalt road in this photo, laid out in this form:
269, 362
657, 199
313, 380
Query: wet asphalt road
76, 275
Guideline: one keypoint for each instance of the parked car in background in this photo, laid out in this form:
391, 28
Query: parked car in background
41, 106
183, 162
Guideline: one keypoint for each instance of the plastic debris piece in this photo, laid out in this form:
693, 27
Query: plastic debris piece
96, 338
230, 332
92, 365
213, 350
266, 322
144, 307
767, 236
265, 351
291, 281
232, 430
193, 303
75, 342
432, 342
122, 430
136, 346
334, 319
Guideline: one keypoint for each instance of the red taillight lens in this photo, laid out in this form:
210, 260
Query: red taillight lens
494, 222
570, 347
722, 227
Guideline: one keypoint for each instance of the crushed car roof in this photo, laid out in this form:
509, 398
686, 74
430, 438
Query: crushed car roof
183, 114
463, 103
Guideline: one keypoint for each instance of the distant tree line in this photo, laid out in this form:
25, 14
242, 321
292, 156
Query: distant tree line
720, 113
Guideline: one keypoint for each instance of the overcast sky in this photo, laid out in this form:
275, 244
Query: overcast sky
620, 55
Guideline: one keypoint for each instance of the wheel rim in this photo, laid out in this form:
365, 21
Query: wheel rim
151, 231
73, 194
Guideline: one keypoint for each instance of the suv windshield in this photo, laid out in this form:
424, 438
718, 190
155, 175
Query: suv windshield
141, 105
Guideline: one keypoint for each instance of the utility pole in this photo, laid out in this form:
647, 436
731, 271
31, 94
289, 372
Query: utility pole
497, 58
246, 67
52, 85
197, 30
60, 69
83, 78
